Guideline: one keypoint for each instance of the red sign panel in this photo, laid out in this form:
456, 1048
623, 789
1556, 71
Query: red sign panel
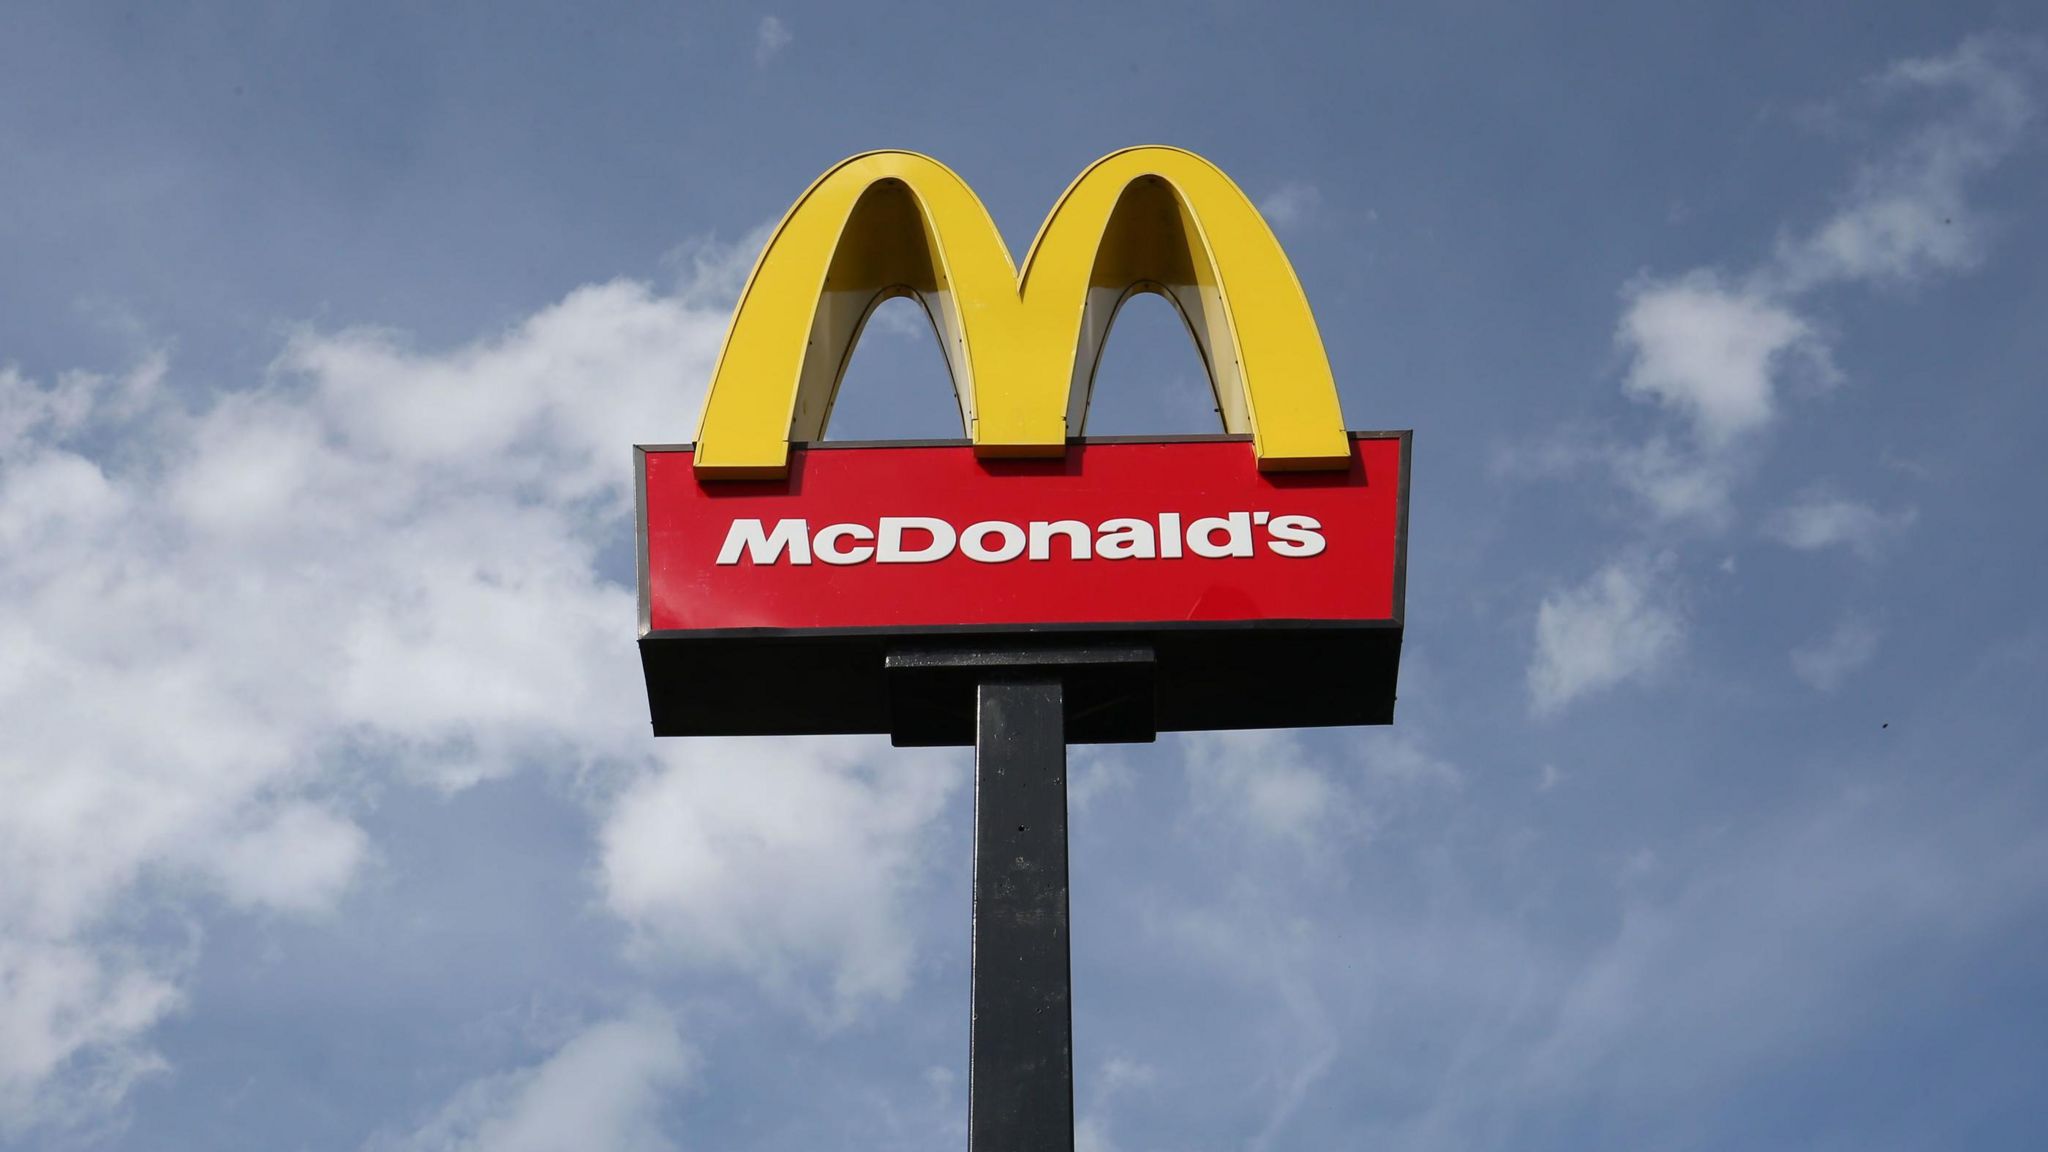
1111, 533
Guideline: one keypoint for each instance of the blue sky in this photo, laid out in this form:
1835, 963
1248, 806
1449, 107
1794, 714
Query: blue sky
1713, 815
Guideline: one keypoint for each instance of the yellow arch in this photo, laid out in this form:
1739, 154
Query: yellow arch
1022, 350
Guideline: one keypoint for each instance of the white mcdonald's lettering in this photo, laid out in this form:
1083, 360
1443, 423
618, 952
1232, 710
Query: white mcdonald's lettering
826, 544
889, 547
792, 536
924, 539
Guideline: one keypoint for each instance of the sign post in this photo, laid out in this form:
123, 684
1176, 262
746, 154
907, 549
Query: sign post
1024, 588
1021, 1038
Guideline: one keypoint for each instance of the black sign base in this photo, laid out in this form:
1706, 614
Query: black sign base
1108, 693
1193, 676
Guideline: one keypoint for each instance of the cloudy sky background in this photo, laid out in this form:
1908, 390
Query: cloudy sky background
1715, 815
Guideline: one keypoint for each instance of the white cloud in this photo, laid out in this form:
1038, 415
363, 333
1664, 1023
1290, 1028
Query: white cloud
1908, 214
1717, 355
1677, 482
1722, 956
604, 1089
213, 616
1621, 624
1718, 352
770, 38
900, 319
538, 412
299, 858
1291, 204
710, 273
1282, 822
1761, 951
1818, 520
1265, 782
69, 1015
1710, 351
1268, 783
1827, 661
1117, 1076
797, 860
1095, 770
1274, 951
1395, 763
205, 612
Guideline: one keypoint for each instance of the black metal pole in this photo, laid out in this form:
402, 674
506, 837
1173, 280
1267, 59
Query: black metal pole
1021, 1039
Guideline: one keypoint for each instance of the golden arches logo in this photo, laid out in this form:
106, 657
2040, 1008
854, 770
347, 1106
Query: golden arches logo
1022, 349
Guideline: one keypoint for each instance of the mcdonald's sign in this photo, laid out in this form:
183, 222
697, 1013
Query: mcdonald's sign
1257, 574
